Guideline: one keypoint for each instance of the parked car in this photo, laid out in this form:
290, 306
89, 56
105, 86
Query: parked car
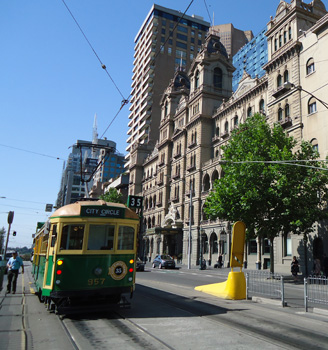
165, 261
140, 266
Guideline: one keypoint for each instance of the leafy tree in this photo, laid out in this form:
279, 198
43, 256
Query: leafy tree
260, 189
112, 196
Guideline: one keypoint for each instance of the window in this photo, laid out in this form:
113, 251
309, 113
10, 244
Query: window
287, 111
289, 33
262, 106
252, 246
312, 105
125, 238
286, 76
310, 66
217, 78
249, 111
197, 80
279, 80
280, 114
72, 237
101, 237
235, 121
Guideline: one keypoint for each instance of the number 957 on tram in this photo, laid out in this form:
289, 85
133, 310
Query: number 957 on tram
85, 256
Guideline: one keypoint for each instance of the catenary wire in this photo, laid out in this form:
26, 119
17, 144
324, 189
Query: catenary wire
209, 16
103, 66
25, 150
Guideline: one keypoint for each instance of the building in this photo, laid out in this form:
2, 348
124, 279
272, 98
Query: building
198, 113
164, 43
251, 58
88, 167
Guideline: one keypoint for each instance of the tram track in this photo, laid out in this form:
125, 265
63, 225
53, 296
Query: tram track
131, 330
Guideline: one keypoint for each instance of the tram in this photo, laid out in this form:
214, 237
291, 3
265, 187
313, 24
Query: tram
85, 256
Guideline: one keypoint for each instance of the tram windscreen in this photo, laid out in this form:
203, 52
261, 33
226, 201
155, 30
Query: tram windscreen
101, 237
125, 238
72, 237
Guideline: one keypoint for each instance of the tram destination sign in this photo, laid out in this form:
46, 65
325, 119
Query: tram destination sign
102, 212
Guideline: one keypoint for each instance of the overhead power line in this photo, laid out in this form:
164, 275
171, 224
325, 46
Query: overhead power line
25, 150
103, 66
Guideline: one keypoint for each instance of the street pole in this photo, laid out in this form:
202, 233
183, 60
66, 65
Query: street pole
190, 219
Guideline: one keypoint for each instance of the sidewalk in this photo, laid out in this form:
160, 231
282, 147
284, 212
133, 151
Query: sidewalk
24, 321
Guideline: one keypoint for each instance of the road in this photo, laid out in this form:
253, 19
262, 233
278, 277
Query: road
166, 313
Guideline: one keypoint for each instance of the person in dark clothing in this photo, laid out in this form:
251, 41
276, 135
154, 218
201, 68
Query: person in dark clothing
295, 268
14, 263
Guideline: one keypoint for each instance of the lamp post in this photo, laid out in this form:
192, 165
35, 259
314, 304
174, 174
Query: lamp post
202, 231
10, 221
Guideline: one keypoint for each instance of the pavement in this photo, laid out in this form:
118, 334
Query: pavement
25, 323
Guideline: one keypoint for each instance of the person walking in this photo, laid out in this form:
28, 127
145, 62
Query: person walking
295, 268
14, 263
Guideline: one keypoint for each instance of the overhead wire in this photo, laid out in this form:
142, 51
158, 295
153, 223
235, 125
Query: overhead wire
25, 150
209, 16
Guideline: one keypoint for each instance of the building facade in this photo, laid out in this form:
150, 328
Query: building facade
198, 113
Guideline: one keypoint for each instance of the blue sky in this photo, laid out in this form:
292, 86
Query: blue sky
52, 85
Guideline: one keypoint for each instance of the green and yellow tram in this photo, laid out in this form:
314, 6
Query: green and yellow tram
86, 255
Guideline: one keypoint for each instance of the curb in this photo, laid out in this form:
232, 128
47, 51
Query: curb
261, 300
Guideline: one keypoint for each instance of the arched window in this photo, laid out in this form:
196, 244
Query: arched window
289, 33
197, 79
226, 127
280, 113
165, 109
262, 106
286, 78
235, 121
315, 144
312, 105
280, 40
279, 80
206, 183
249, 112
217, 153
310, 66
217, 78
217, 131
287, 111
275, 44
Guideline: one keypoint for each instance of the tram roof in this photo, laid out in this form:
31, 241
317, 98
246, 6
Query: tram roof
74, 209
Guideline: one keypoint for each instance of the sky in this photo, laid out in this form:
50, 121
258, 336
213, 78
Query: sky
52, 85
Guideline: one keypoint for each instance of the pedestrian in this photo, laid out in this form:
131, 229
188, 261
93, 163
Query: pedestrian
325, 265
295, 268
317, 267
14, 263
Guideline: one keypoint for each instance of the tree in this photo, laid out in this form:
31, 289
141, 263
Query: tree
260, 189
112, 196
2, 238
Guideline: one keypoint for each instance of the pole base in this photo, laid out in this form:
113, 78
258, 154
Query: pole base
234, 288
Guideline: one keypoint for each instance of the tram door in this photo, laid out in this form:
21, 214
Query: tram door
50, 260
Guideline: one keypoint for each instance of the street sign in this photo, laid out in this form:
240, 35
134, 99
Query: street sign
135, 202
49, 207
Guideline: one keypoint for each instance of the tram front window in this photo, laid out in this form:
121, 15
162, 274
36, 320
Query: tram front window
72, 237
101, 237
125, 238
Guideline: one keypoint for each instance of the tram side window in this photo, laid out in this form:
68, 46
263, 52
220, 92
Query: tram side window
44, 244
72, 237
125, 238
101, 237
54, 235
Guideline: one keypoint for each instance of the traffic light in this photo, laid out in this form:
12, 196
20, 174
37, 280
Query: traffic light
14, 233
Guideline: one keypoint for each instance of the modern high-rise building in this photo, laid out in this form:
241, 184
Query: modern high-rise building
164, 42
251, 58
232, 38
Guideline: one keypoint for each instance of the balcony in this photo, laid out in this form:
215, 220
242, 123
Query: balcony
225, 134
177, 154
286, 122
281, 90
192, 144
176, 176
215, 138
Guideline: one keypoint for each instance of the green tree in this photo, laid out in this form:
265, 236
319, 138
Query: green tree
258, 189
112, 196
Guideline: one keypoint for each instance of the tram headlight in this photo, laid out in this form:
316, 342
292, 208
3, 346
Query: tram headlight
98, 271
131, 261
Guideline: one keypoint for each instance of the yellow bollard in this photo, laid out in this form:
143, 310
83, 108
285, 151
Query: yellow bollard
234, 288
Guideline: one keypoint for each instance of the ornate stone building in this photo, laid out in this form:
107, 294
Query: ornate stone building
198, 113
